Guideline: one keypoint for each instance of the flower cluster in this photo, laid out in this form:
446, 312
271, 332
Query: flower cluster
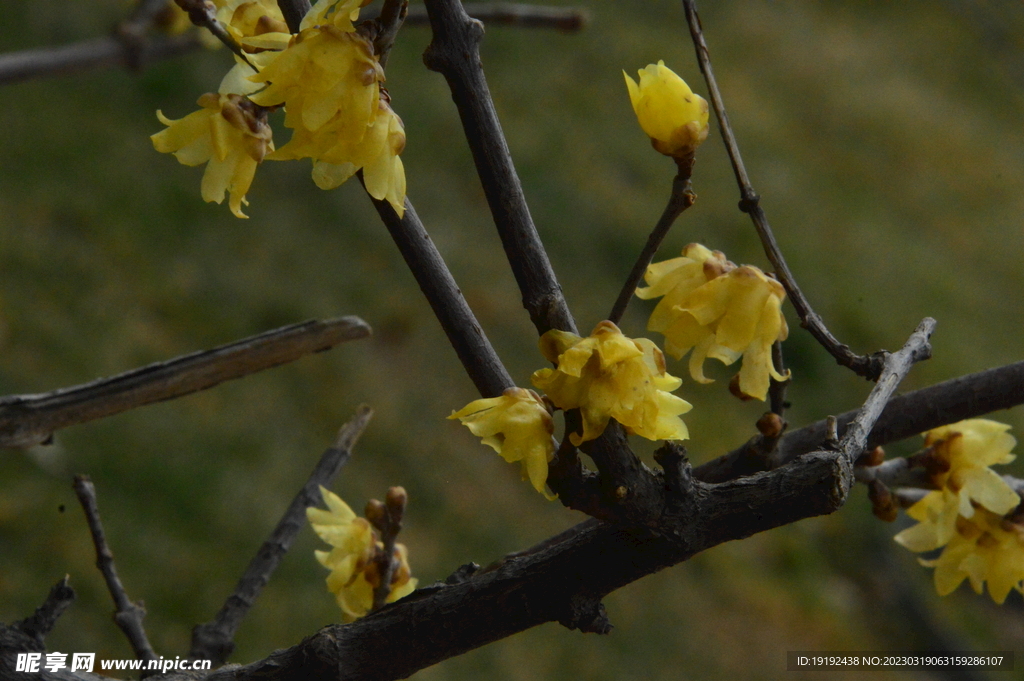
329, 82
352, 562
606, 376
720, 311
965, 514
669, 112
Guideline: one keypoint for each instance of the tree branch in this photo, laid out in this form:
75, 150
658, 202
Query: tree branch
567, 19
27, 420
682, 197
87, 55
464, 332
128, 615
214, 640
454, 52
866, 366
293, 11
948, 402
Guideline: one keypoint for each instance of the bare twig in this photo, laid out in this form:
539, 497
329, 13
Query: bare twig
454, 52
128, 615
568, 19
464, 332
41, 622
88, 55
203, 13
293, 11
392, 15
214, 640
682, 197
132, 31
866, 366
26, 420
894, 369
387, 518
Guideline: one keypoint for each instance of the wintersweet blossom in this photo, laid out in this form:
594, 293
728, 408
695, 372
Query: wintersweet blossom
323, 72
963, 453
669, 112
983, 548
720, 311
517, 426
230, 135
608, 375
354, 573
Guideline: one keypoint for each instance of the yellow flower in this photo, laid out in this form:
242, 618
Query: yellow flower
608, 375
230, 135
669, 112
963, 451
377, 154
720, 311
518, 426
324, 72
984, 548
354, 573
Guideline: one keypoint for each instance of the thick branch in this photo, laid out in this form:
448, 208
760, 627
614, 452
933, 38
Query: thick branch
27, 420
214, 640
128, 615
464, 332
454, 52
867, 366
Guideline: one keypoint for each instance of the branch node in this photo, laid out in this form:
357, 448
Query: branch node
41, 622
587, 614
462, 573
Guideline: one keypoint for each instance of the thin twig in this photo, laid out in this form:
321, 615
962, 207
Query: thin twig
203, 13
866, 366
132, 31
567, 19
41, 622
214, 640
464, 332
894, 369
907, 415
293, 11
128, 615
392, 16
454, 52
87, 55
682, 197
27, 420
388, 522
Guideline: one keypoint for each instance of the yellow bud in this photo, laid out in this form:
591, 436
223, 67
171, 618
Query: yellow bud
669, 112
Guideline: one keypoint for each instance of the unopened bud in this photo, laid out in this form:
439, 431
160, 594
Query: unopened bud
376, 512
771, 425
396, 499
883, 505
870, 458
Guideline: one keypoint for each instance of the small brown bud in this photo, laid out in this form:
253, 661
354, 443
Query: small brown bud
771, 425
396, 499
375, 512
873, 457
883, 505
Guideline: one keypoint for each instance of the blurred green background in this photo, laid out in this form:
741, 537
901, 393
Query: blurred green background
886, 140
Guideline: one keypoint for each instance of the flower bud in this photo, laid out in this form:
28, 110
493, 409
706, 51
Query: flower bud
669, 112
